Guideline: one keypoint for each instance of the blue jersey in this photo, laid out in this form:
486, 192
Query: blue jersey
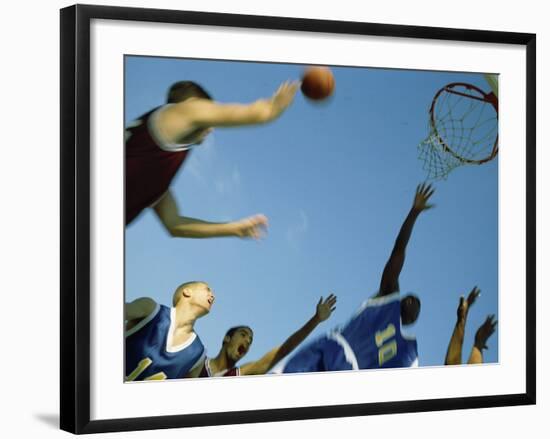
150, 354
371, 339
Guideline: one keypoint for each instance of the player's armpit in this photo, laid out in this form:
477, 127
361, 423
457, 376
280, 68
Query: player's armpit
195, 372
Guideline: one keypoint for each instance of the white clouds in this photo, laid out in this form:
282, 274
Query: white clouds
228, 183
298, 229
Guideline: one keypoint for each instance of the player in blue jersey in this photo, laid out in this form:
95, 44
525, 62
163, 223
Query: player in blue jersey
160, 341
237, 342
454, 351
373, 337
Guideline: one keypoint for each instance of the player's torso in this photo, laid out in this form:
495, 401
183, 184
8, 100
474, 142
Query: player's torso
208, 372
375, 335
150, 164
149, 355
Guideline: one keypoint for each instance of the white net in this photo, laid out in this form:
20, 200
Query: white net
463, 130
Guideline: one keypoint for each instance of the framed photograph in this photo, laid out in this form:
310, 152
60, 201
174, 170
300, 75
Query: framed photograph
275, 218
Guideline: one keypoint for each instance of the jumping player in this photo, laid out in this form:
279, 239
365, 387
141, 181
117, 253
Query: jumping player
237, 342
160, 341
158, 142
373, 337
454, 351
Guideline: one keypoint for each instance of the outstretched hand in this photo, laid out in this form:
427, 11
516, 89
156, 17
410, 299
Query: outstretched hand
283, 97
465, 304
254, 227
485, 331
325, 308
423, 193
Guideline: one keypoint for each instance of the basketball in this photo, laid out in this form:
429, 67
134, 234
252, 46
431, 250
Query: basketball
317, 83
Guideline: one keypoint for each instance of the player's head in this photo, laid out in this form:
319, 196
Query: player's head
237, 342
196, 294
410, 308
183, 90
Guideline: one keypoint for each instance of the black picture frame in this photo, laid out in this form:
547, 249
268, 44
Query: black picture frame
75, 217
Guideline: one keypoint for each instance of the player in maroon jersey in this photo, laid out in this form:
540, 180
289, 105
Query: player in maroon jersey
237, 342
158, 143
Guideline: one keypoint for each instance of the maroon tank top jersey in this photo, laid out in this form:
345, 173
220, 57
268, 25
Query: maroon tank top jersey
206, 372
150, 166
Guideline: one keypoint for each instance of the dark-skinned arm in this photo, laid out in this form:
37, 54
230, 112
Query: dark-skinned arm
264, 364
454, 351
480, 343
390, 277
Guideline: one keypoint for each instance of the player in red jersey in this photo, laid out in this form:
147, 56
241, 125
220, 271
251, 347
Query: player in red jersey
454, 351
237, 342
158, 142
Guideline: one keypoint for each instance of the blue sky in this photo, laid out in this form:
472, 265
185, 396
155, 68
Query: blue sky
336, 181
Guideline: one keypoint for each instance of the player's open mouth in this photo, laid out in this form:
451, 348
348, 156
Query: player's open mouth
241, 350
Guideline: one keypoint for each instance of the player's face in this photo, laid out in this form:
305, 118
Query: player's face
410, 308
203, 297
239, 344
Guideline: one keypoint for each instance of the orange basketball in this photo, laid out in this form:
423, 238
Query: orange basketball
317, 83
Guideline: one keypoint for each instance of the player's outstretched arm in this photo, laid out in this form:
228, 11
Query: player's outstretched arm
454, 351
185, 227
263, 365
137, 310
390, 277
480, 343
203, 113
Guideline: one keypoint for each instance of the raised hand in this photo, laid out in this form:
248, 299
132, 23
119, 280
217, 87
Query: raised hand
465, 304
283, 97
254, 227
484, 332
325, 308
423, 194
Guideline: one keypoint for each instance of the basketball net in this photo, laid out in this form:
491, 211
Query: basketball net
463, 129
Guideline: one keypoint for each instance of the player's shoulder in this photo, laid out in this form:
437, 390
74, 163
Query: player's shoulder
379, 300
187, 107
148, 310
146, 304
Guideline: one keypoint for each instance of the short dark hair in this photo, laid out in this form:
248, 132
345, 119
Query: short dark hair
234, 329
182, 90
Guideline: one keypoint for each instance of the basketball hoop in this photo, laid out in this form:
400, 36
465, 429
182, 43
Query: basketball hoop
463, 129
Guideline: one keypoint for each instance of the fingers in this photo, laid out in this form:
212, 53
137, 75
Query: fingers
491, 323
328, 304
258, 220
485, 331
423, 193
254, 227
331, 300
474, 294
288, 88
426, 190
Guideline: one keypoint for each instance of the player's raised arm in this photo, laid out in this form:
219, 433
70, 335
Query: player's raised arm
263, 365
390, 278
480, 343
454, 351
138, 310
185, 227
203, 113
